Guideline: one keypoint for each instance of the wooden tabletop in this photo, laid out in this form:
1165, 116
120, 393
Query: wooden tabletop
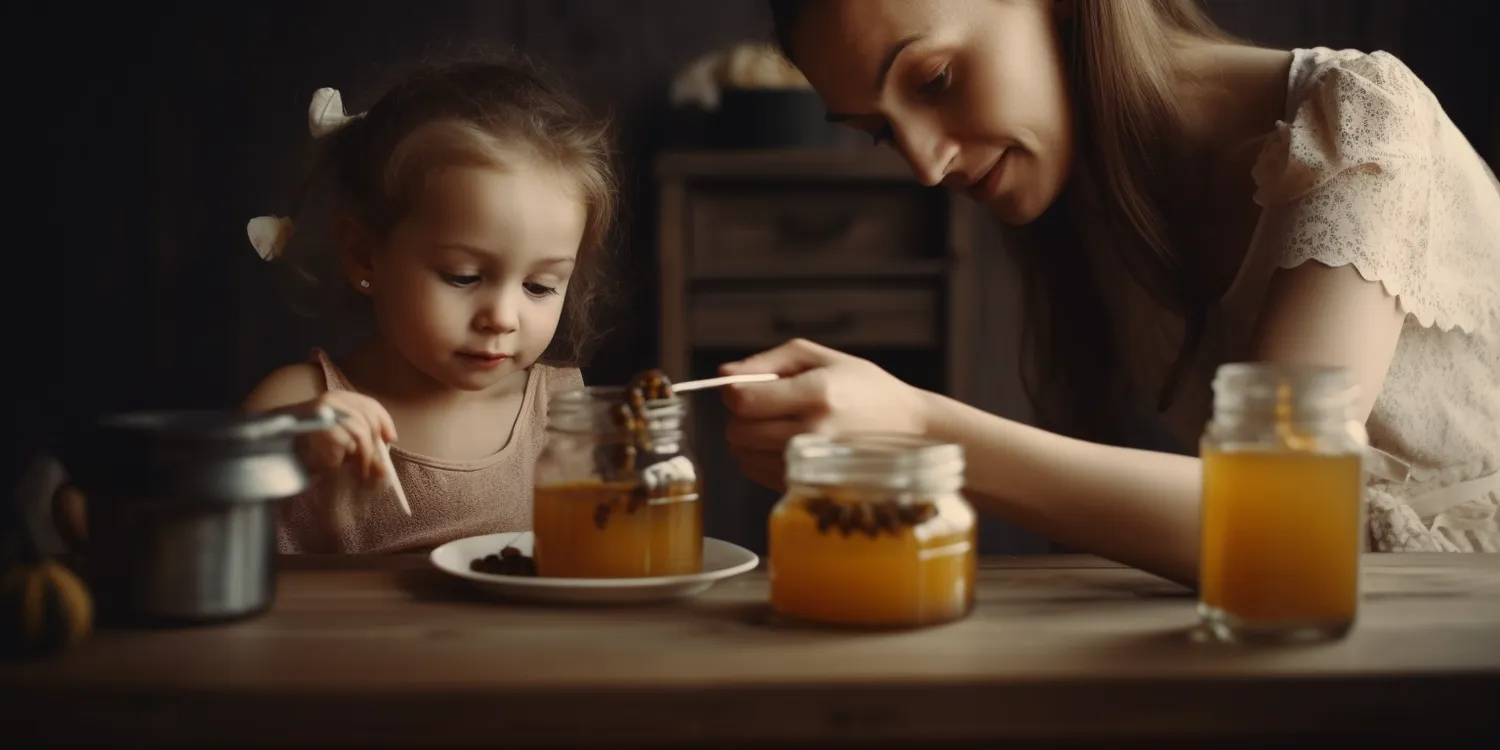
386, 651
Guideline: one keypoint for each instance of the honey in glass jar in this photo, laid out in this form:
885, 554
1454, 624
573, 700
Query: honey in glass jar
1283, 504
616, 488
873, 531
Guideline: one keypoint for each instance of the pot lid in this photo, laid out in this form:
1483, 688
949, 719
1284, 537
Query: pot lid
214, 425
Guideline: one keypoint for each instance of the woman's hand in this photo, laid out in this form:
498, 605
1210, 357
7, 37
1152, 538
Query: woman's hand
362, 426
820, 391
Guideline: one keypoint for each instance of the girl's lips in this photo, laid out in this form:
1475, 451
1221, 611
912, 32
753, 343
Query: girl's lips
483, 359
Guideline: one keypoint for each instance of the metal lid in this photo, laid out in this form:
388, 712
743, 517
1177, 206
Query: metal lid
213, 425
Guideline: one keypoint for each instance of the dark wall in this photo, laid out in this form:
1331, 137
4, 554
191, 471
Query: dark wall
143, 137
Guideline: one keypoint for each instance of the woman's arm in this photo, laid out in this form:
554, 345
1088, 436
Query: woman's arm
1141, 507
1137, 507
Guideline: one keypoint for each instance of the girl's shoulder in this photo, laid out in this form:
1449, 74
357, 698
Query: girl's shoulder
554, 379
296, 383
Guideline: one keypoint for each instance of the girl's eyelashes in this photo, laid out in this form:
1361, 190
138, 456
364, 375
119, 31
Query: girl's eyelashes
462, 281
540, 290
459, 280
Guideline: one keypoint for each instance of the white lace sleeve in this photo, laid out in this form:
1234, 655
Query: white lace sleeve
1370, 172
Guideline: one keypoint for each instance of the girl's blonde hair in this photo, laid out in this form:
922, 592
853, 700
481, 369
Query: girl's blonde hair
486, 112
1122, 75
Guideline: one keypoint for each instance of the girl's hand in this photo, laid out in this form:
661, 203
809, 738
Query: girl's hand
820, 391
362, 426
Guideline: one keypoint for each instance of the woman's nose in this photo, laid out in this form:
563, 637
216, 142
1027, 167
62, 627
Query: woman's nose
927, 148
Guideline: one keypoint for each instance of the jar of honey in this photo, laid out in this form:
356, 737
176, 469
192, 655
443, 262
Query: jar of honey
873, 531
1283, 504
616, 488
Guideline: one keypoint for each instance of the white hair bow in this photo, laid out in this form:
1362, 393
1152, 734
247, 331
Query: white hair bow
326, 112
325, 115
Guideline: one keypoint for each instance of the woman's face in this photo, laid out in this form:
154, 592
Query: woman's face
971, 92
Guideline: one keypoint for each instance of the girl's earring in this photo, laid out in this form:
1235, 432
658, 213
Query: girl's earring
364, 283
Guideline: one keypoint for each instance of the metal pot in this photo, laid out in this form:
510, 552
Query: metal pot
182, 510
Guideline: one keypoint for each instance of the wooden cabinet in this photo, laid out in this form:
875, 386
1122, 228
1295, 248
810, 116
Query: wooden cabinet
842, 247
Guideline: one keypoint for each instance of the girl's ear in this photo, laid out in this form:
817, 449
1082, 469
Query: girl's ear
356, 248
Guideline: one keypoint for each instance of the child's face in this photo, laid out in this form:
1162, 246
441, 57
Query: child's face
971, 92
470, 286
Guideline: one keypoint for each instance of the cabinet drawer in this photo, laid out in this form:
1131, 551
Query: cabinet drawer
769, 230
837, 318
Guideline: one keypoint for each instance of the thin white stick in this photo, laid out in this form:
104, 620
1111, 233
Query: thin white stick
694, 385
390, 468
390, 471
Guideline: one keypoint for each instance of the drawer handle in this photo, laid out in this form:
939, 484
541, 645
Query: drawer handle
813, 230
811, 327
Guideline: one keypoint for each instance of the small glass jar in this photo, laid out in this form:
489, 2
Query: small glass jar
1283, 504
873, 531
611, 501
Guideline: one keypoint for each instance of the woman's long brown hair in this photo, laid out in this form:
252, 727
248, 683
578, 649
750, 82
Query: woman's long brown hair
1122, 76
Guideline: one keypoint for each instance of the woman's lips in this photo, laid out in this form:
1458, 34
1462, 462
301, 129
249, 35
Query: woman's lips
988, 185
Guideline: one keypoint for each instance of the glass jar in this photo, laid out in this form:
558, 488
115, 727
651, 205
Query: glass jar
1283, 504
873, 531
615, 501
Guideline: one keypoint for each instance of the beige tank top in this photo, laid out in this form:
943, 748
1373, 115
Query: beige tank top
449, 499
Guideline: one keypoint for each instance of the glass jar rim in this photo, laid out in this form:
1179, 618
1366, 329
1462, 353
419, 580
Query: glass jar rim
884, 460
1286, 391
588, 409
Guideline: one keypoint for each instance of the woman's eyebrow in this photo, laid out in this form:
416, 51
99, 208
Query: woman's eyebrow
881, 74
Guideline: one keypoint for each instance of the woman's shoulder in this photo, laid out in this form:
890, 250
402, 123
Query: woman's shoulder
1346, 110
1352, 71
1368, 170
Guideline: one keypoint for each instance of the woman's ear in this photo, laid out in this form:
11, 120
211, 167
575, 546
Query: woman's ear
356, 248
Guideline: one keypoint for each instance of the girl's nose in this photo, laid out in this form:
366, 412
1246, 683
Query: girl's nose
500, 313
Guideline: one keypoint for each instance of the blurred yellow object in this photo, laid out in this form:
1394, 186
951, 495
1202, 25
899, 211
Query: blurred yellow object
44, 608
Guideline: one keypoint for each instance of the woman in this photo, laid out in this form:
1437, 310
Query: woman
1181, 199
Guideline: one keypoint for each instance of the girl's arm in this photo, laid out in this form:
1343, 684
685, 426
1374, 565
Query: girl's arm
1137, 507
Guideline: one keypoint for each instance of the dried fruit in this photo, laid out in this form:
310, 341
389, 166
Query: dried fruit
620, 461
870, 517
510, 562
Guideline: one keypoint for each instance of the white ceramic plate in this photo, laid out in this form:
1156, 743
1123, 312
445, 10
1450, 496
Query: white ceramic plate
721, 560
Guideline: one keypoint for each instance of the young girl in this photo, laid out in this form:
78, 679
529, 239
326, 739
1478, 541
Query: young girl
473, 204
1182, 199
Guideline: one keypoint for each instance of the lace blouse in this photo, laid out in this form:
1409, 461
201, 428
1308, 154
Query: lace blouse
1367, 170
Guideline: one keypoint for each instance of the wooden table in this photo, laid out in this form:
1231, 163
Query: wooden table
371, 652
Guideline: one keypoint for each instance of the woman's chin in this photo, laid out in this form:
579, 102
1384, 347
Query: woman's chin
1023, 204
1011, 209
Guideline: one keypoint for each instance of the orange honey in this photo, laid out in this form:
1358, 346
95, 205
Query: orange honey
605, 530
873, 573
1282, 535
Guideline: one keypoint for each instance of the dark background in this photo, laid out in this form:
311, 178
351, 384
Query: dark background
143, 136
